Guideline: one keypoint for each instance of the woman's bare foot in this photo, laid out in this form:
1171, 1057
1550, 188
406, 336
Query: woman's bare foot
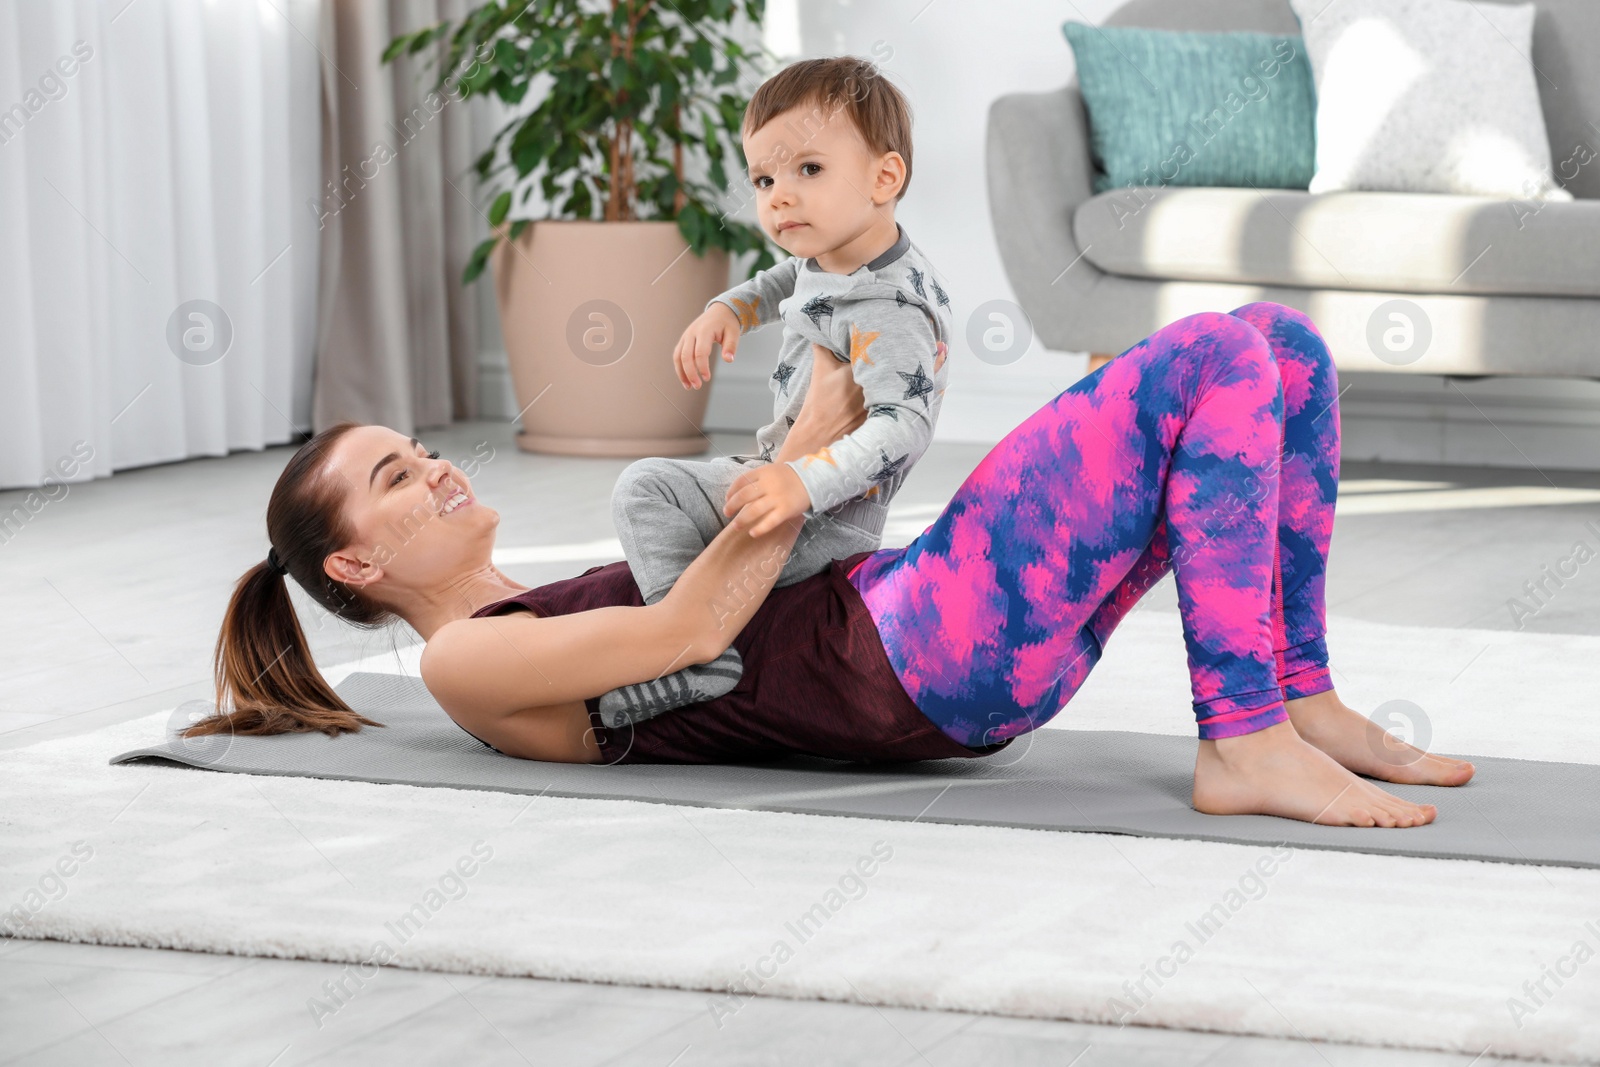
1363, 746
1277, 772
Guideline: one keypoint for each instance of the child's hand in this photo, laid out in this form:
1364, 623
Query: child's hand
763, 498
692, 358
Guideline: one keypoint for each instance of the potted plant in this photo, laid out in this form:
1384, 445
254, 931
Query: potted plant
594, 297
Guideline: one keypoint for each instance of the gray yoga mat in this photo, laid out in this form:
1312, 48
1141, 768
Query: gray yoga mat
1106, 781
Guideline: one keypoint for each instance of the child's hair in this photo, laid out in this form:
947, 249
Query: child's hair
855, 86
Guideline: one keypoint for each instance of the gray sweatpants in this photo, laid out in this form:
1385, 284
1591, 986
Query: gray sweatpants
667, 510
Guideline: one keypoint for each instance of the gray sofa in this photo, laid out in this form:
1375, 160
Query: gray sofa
1498, 294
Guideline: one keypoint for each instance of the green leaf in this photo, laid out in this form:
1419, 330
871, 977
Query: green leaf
526, 158
498, 210
582, 203
691, 223
483, 163
480, 259
518, 226
396, 46
507, 56
700, 53
479, 77
513, 92
422, 39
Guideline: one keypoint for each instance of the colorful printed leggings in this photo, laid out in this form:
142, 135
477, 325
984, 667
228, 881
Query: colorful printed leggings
1211, 448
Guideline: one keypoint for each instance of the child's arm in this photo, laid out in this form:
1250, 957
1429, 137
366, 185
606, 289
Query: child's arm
730, 315
897, 359
756, 301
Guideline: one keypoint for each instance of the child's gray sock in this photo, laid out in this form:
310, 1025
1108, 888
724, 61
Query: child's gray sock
692, 684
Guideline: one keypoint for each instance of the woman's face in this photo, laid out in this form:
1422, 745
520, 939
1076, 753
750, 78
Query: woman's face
412, 531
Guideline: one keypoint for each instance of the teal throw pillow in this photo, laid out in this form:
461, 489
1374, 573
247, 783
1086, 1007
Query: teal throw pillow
1169, 107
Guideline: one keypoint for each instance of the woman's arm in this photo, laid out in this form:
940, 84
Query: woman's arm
483, 671
518, 680
832, 408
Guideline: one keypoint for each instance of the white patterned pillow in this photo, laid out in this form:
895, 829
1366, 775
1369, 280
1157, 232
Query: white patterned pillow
1427, 96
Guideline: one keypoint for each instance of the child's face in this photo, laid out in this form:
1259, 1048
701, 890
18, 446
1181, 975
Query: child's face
812, 167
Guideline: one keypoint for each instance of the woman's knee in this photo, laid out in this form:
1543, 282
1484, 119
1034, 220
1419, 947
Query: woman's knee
1216, 335
1270, 317
1293, 336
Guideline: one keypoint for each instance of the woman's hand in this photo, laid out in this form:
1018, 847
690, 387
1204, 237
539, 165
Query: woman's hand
762, 498
834, 406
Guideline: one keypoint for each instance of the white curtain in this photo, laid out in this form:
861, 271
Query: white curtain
153, 153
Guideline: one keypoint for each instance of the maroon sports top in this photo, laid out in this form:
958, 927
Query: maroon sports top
816, 681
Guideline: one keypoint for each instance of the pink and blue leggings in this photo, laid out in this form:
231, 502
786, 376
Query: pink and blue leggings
1210, 448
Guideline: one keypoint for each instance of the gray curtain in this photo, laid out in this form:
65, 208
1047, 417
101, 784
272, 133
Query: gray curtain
397, 337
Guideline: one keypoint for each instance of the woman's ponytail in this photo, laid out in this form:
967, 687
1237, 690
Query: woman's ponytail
266, 679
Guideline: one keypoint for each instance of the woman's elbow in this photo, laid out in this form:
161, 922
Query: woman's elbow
712, 645
706, 640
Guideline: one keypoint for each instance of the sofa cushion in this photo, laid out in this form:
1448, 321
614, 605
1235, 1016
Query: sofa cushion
1427, 96
1387, 242
1171, 108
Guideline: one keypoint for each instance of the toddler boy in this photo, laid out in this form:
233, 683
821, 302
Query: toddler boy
829, 145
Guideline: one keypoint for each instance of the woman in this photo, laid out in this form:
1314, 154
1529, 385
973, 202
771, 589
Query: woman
1210, 448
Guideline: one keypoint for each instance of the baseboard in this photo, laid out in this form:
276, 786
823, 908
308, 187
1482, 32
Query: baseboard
1396, 418
1492, 422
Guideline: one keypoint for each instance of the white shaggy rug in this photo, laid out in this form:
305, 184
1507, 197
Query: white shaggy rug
1464, 956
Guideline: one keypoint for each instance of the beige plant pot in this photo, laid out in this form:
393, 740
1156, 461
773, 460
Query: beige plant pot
591, 312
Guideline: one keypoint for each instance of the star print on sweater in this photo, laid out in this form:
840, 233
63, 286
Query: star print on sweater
826, 455
918, 385
889, 468
749, 318
817, 307
916, 282
860, 341
888, 321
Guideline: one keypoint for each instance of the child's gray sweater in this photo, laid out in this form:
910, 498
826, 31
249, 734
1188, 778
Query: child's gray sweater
891, 321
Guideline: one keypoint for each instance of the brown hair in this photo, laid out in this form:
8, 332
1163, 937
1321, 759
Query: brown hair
263, 666
855, 86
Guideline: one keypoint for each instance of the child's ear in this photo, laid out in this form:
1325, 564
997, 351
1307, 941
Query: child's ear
891, 173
